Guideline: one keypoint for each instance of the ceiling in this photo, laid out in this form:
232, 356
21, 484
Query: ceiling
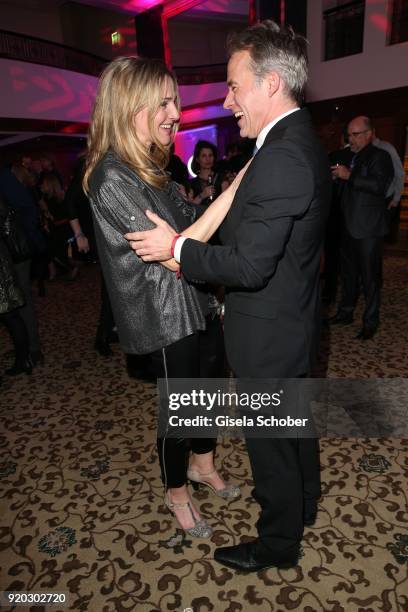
216, 7
206, 10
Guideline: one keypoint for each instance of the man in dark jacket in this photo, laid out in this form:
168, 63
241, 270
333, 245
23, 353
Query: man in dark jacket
364, 214
269, 261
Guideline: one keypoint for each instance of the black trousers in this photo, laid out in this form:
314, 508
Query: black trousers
286, 474
361, 264
19, 335
28, 312
212, 352
179, 360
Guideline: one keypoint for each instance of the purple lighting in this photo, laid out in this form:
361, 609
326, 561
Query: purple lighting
204, 113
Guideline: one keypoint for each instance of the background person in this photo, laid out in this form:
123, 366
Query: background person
364, 225
57, 225
11, 296
15, 187
206, 186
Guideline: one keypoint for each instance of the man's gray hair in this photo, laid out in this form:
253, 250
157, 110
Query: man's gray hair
274, 48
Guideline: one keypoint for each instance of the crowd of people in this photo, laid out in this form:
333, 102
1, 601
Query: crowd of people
39, 227
245, 236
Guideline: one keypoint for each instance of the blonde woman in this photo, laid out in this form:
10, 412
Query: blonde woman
134, 120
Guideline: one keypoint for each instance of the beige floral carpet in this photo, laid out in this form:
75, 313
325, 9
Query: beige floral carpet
81, 503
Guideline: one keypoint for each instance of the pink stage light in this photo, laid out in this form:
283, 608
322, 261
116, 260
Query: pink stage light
380, 22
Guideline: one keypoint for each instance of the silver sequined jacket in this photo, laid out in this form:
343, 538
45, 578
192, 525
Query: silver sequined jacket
151, 307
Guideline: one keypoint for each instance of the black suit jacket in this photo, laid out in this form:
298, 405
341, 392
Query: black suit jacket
270, 254
363, 200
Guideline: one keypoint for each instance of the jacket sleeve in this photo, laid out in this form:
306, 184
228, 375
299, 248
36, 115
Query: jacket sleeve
277, 189
380, 173
122, 205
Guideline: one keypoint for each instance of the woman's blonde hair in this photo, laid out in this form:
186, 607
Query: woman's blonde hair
52, 186
127, 85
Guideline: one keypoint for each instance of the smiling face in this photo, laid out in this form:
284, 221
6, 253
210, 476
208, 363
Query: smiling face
164, 121
248, 99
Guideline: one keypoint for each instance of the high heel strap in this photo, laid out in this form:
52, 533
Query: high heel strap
200, 474
229, 491
201, 528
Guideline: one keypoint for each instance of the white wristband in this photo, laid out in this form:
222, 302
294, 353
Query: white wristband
177, 248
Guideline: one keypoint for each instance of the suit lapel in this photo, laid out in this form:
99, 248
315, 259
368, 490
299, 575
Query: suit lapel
298, 118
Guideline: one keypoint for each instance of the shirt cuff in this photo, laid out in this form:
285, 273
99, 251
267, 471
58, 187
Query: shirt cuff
177, 248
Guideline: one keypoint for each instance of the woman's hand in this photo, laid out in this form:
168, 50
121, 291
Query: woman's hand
82, 244
207, 192
171, 264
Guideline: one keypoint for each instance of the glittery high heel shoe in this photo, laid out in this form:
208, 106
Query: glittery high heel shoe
201, 528
230, 491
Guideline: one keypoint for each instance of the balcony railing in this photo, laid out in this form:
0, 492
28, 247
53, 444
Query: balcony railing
39, 51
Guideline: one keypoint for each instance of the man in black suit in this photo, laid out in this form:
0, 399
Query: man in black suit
364, 210
269, 262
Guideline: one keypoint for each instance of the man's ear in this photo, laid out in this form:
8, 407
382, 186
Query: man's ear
274, 82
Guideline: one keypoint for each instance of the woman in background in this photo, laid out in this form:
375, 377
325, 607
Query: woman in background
206, 186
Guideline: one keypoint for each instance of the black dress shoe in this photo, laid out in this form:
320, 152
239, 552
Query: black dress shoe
20, 367
246, 557
340, 319
366, 333
37, 358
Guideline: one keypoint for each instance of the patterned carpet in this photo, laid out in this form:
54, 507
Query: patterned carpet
81, 503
